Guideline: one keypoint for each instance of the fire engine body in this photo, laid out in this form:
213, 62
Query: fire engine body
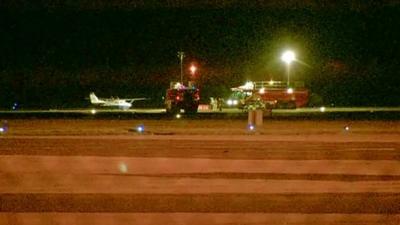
183, 97
272, 94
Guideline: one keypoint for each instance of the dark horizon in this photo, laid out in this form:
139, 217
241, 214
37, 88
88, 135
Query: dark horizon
54, 56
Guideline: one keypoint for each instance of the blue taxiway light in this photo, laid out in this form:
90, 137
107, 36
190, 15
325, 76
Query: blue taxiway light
140, 128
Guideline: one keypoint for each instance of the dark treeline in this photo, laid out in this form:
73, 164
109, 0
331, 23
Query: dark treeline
186, 4
54, 58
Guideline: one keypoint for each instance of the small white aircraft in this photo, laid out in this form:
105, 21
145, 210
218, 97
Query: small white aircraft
124, 104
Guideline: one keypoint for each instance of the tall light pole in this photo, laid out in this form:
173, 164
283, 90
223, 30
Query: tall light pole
181, 55
288, 57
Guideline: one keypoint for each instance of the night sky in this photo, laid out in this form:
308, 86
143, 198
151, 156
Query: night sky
53, 54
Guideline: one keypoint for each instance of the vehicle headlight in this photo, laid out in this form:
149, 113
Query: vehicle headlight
229, 102
235, 102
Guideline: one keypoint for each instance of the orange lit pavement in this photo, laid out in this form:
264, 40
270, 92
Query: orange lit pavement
265, 178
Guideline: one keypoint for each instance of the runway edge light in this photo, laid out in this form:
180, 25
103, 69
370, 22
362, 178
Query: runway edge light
251, 127
140, 128
4, 127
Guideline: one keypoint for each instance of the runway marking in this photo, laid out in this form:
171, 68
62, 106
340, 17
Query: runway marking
363, 203
175, 218
89, 184
161, 165
270, 176
189, 149
367, 149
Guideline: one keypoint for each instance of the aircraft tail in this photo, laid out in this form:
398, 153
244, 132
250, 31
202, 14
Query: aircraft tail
93, 98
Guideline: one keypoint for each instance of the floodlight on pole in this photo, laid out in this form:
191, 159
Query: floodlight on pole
193, 69
288, 57
181, 55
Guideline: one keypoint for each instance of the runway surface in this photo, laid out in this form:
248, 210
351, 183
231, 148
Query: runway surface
200, 172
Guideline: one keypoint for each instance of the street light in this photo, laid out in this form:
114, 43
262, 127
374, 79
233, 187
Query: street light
288, 57
181, 55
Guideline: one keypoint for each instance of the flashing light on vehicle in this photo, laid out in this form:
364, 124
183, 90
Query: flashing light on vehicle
197, 96
322, 109
290, 91
178, 116
248, 85
93, 111
261, 91
140, 128
178, 86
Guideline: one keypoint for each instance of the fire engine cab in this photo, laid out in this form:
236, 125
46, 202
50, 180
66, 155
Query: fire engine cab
270, 94
183, 97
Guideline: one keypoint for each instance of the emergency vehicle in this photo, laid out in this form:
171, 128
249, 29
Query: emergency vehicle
271, 94
183, 97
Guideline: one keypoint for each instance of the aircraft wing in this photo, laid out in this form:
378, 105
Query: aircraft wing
133, 99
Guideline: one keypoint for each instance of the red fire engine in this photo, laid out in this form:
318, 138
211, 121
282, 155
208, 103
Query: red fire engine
183, 97
271, 94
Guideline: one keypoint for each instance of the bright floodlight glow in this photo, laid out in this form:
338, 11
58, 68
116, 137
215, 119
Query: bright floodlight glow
347, 128
262, 91
193, 69
322, 109
290, 90
178, 116
2, 130
288, 57
235, 102
229, 102
271, 82
93, 111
